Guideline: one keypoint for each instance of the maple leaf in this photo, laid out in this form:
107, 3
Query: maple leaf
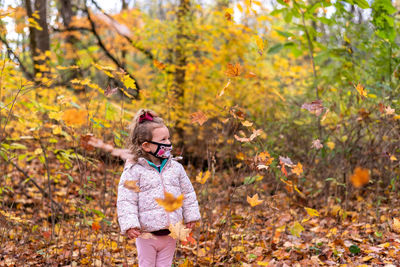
315, 107
199, 117
200, 178
360, 89
132, 185
389, 110
170, 203
159, 65
254, 200
360, 177
179, 231
298, 169
190, 240
109, 92
316, 144
233, 70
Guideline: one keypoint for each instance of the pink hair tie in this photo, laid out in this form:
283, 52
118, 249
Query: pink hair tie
145, 117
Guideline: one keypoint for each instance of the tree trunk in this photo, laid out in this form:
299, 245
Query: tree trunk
178, 89
42, 37
32, 37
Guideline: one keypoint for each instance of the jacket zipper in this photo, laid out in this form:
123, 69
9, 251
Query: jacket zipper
162, 183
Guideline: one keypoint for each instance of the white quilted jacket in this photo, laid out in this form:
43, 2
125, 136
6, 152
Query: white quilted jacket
140, 210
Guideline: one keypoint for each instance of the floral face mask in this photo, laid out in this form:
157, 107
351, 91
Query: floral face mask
163, 151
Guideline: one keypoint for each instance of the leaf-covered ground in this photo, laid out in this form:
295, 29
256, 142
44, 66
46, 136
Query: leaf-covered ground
278, 232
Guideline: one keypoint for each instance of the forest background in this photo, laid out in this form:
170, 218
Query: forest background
286, 115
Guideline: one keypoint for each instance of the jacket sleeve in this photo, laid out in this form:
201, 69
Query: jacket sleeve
127, 201
190, 205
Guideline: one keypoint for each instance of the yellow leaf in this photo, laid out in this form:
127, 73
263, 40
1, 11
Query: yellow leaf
132, 185
129, 82
240, 156
393, 158
240, 7
254, 201
360, 89
247, 124
260, 43
312, 212
296, 229
170, 203
200, 178
360, 177
179, 231
57, 130
330, 144
396, 225
298, 169
38, 151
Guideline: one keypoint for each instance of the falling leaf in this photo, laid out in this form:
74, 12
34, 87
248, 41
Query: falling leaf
132, 185
298, 169
296, 229
360, 177
179, 231
393, 158
198, 117
254, 200
233, 70
316, 144
108, 92
311, 212
200, 178
315, 107
360, 89
250, 75
396, 225
170, 203
223, 89
159, 65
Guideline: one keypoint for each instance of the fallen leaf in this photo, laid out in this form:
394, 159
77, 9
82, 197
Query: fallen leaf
296, 229
170, 203
96, 226
298, 169
254, 200
396, 225
311, 212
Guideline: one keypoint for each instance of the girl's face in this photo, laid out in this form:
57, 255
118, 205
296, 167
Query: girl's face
160, 135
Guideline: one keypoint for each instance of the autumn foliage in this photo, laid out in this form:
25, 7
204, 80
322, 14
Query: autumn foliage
286, 118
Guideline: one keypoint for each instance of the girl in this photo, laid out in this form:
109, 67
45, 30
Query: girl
154, 171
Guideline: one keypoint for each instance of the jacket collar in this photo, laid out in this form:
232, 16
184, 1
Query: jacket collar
143, 162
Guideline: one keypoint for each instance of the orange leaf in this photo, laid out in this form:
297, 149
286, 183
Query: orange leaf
233, 70
132, 185
254, 200
170, 203
360, 177
190, 240
159, 65
96, 226
199, 117
74, 117
361, 90
298, 169
250, 75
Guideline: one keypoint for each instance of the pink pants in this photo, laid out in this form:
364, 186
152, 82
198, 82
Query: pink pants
158, 252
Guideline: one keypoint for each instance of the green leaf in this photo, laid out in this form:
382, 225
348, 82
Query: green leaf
361, 3
354, 249
275, 49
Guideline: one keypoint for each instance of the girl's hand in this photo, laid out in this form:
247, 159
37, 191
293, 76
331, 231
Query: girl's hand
133, 233
190, 225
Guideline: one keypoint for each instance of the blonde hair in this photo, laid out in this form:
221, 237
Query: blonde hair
140, 132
